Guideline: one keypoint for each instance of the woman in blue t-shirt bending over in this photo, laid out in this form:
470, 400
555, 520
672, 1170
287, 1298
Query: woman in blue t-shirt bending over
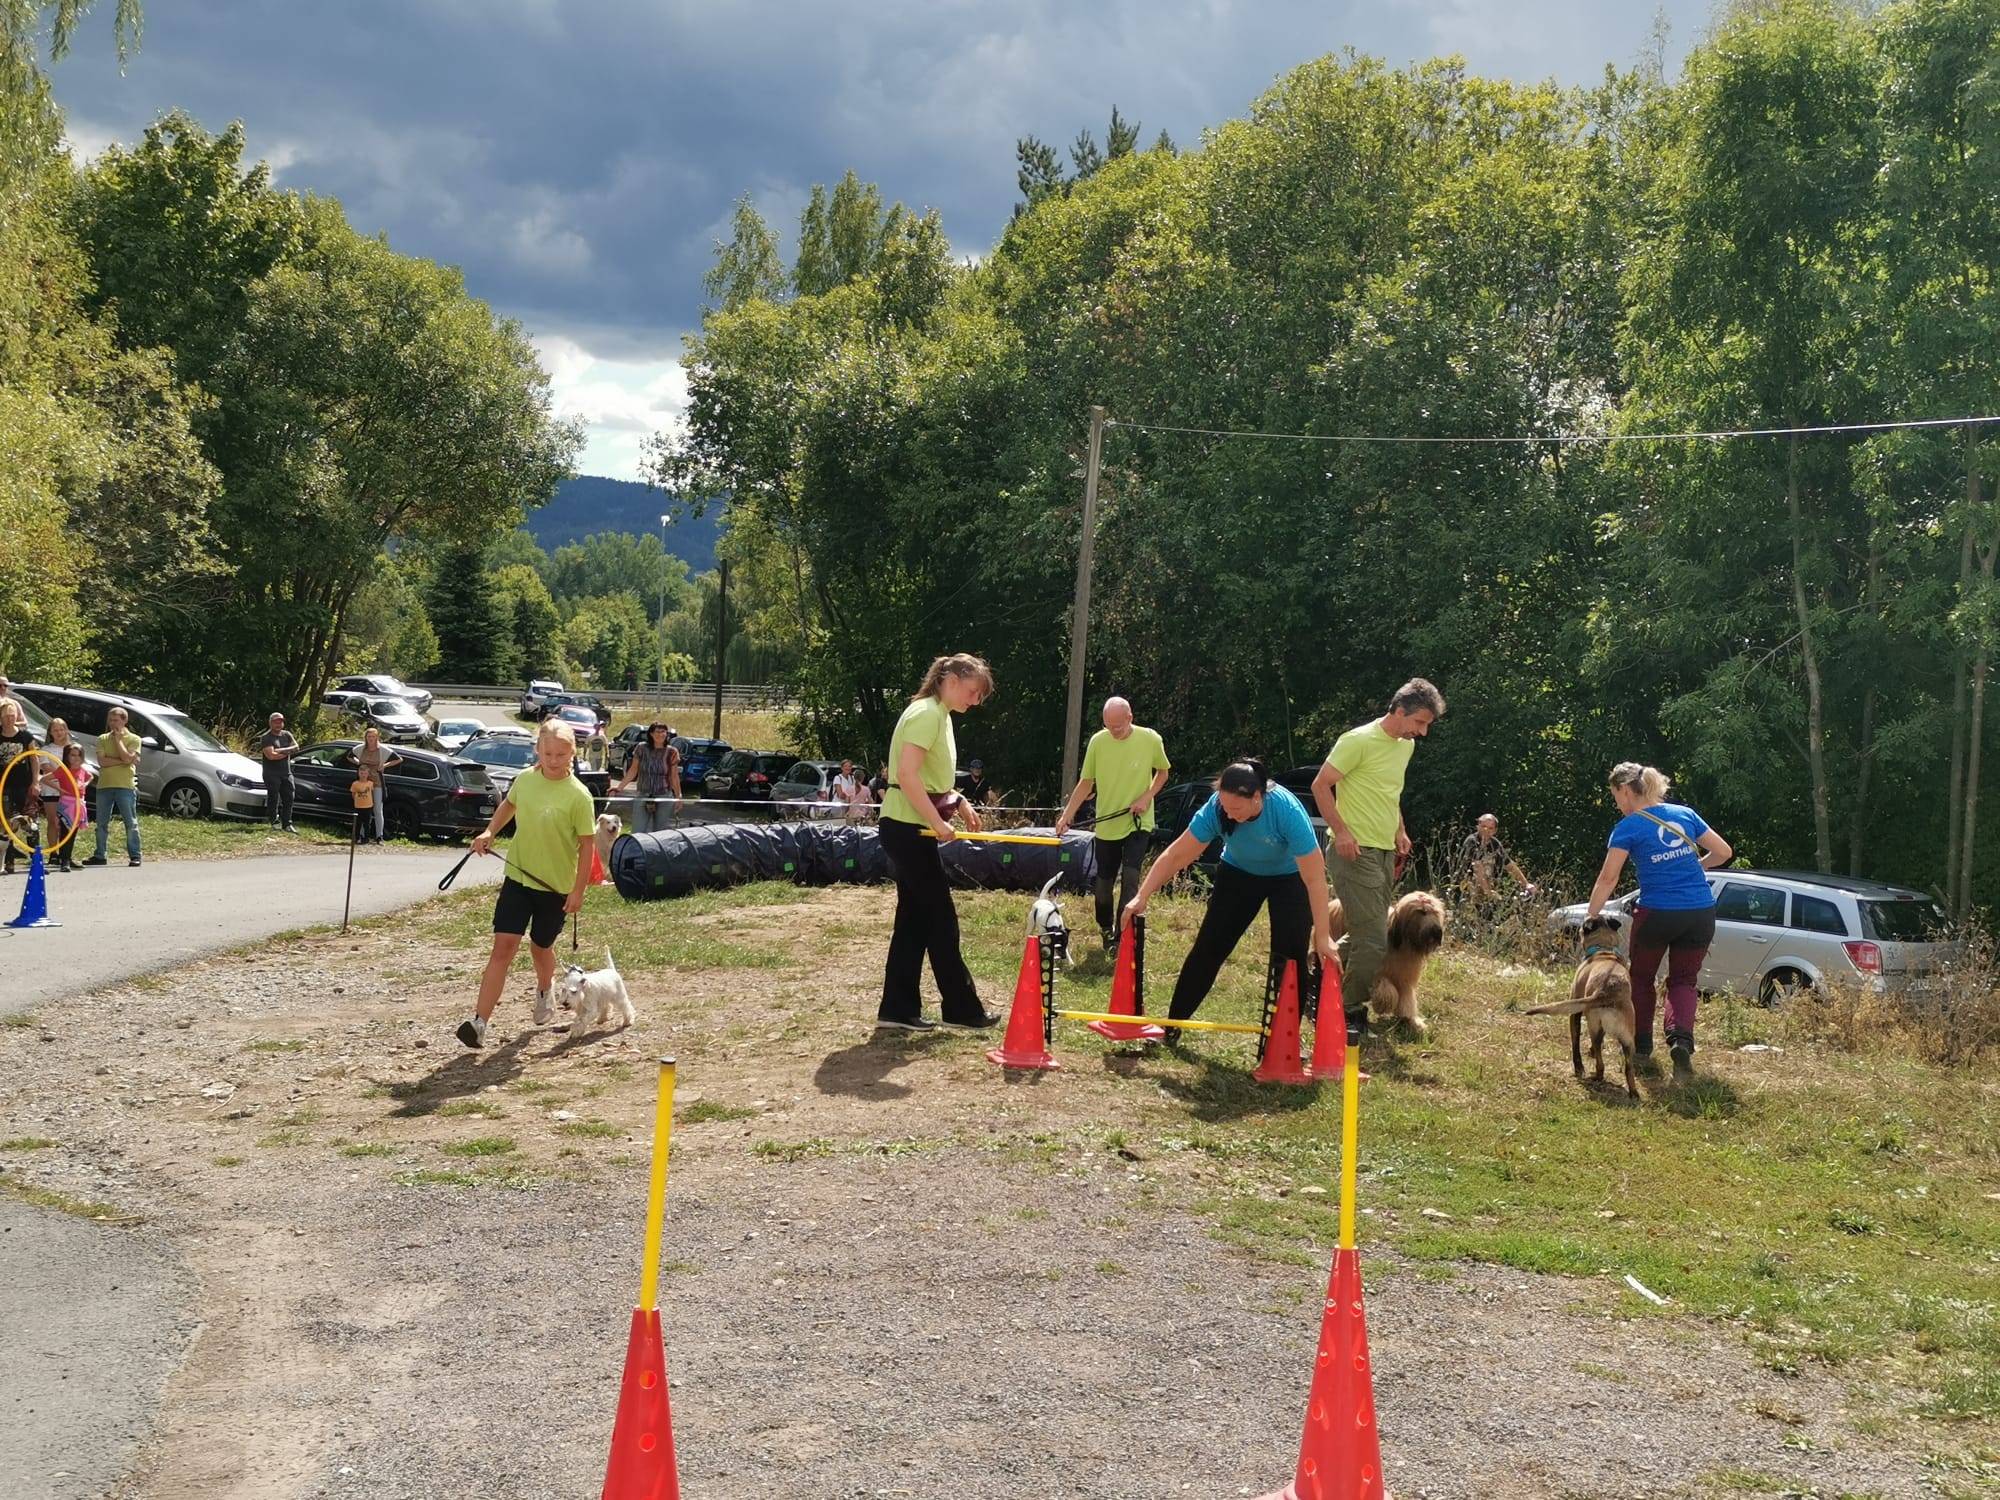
1671, 850
1269, 854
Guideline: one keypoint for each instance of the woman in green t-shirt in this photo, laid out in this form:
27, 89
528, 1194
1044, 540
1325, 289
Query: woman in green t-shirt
923, 762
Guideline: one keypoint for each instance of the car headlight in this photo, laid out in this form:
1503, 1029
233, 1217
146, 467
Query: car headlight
230, 778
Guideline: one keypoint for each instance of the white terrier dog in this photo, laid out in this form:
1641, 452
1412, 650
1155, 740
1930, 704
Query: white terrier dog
1045, 919
608, 829
597, 996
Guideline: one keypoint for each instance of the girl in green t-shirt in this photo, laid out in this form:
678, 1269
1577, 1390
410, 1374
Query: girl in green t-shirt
923, 761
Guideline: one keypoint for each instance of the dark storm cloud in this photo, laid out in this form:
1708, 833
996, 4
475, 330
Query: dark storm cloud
577, 157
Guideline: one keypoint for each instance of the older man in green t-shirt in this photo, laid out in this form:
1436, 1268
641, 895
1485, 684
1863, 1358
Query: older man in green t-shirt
1126, 765
1359, 791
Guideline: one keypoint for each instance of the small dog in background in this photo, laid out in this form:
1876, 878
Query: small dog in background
608, 829
1045, 919
597, 996
1416, 931
1599, 997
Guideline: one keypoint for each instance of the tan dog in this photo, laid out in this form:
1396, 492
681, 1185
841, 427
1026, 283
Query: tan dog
1416, 931
608, 829
1601, 997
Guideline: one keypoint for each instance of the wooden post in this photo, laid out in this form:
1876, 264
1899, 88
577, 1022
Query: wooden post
721, 644
1079, 632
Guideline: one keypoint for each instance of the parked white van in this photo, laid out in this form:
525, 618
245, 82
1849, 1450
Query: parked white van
183, 769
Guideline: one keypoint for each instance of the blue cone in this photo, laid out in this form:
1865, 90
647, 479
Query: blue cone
35, 901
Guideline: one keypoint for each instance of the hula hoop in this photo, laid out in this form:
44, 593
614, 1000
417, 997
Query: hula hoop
74, 790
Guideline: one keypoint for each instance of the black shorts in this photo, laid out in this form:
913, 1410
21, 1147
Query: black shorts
522, 909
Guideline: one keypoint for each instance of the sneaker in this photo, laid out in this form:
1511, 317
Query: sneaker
290, 829
472, 1031
134, 862
913, 1023
545, 1007
1683, 1056
95, 859
988, 1019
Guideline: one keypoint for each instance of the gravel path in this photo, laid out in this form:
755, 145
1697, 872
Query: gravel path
887, 1273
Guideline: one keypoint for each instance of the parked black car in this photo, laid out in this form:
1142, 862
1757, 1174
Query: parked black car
555, 701
621, 746
381, 685
746, 775
698, 756
427, 793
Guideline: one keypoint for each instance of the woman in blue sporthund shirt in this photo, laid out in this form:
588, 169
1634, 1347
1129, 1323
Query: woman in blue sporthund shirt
1269, 854
1671, 850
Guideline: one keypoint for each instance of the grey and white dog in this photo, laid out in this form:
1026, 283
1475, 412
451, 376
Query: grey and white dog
1045, 919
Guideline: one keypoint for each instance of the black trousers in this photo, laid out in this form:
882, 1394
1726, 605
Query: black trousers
926, 922
1233, 904
278, 800
1118, 861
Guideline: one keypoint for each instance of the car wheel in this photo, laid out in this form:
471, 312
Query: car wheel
185, 799
1780, 986
403, 821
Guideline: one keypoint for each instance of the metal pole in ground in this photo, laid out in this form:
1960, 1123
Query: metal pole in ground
352, 839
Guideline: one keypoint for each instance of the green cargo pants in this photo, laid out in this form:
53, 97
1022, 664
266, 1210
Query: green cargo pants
1364, 886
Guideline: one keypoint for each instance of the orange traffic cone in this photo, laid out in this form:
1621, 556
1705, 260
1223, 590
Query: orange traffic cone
1340, 1457
1026, 1044
1126, 984
642, 1439
597, 876
1330, 1029
1280, 1061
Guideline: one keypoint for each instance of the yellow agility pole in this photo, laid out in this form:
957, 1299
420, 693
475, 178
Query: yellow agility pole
656, 1203
1350, 1138
1092, 1015
1001, 838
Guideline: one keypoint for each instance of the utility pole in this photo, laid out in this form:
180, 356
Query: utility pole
1079, 631
660, 632
721, 644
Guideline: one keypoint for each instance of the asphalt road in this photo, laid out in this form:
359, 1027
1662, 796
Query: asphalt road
97, 1318
118, 922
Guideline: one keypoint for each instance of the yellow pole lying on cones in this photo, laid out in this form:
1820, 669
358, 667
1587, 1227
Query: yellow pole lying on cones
1001, 838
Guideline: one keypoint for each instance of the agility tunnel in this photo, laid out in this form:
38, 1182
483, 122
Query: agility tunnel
709, 856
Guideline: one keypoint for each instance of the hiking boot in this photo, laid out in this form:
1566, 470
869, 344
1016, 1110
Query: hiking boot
1683, 1056
988, 1019
912, 1023
545, 1007
472, 1031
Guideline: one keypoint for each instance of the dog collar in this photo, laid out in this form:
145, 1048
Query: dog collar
1601, 948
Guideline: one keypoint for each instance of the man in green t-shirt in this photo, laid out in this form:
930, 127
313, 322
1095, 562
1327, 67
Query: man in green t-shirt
1126, 764
1359, 791
548, 867
118, 754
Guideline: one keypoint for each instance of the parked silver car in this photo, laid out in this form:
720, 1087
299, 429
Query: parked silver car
1780, 931
808, 789
183, 769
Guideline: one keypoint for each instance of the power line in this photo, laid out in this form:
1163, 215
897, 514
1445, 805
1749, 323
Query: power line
1564, 437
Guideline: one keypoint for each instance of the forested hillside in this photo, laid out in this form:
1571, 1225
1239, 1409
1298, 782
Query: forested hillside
1381, 360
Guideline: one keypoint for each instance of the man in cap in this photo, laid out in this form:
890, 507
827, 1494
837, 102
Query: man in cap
276, 747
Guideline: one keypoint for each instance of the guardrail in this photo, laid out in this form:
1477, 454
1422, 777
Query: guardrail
686, 695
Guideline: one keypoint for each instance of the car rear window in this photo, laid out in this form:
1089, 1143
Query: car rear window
1907, 921
1816, 914
413, 769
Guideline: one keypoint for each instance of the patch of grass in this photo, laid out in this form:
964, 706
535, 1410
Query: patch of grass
286, 1138
812, 1146
1111, 1268
643, 943
27, 1143
64, 1203
370, 1148
708, 1109
289, 1045
484, 1108
432, 1177
229, 838
590, 1129
227, 1161
19, 1020
486, 1145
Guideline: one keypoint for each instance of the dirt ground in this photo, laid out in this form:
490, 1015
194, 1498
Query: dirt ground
890, 1269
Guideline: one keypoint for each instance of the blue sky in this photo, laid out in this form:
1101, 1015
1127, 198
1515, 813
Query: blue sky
578, 158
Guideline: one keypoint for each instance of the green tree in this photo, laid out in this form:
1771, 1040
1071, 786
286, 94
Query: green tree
748, 267
533, 621
469, 618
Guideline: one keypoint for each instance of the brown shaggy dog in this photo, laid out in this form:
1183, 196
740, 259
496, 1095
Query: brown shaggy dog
1416, 931
1600, 996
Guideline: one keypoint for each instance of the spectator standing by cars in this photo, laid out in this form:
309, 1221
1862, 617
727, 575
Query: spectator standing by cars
978, 787
655, 768
276, 747
7, 697
53, 786
878, 785
1359, 792
1481, 860
20, 799
924, 753
1126, 765
852, 793
1671, 850
118, 750
370, 762
71, 801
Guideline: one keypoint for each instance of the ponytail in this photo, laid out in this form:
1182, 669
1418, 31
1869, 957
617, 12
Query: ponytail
1651, 782
1243, 778
960, 665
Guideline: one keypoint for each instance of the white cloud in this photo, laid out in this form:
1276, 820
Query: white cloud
622, 402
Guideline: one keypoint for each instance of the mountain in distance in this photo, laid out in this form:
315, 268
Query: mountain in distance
590, 504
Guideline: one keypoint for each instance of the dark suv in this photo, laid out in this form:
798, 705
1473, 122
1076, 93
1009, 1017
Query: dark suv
746, 775
427, 793
698, 757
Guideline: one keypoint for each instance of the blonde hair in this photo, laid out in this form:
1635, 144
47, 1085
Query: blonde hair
1652, 783
558, 730
960, 665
